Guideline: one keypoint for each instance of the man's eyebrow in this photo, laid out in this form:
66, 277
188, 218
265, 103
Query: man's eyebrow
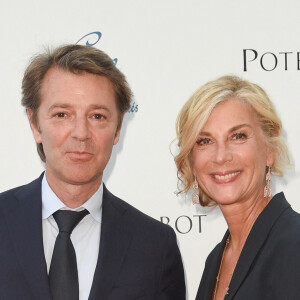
99, 107
65, 105
104, 107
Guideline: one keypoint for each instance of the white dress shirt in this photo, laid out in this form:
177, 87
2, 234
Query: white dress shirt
85, 236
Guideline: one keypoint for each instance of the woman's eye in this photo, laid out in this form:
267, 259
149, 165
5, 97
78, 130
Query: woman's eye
203, 141
239, 136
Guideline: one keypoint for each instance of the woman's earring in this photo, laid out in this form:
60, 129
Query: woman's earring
267, 189
195, 196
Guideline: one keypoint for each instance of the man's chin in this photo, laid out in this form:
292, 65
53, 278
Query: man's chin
83, 180
76, 177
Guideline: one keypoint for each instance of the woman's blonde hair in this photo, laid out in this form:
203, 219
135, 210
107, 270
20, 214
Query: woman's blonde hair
197, 110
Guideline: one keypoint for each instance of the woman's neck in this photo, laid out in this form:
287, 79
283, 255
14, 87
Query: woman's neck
240, 218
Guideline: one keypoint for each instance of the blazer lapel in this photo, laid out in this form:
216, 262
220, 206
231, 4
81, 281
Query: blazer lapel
114, 241
255, 241
209, 278
24, 222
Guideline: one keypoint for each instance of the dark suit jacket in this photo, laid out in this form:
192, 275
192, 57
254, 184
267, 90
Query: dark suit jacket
138, 258
269, 265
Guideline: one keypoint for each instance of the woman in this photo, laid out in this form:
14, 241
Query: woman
230, 145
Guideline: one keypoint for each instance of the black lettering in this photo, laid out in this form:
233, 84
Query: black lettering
245, 55
285, 58
190, 224
298, 61
275, 59
162, 220
199, 217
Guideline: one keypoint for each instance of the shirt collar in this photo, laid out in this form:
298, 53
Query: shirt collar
51, 203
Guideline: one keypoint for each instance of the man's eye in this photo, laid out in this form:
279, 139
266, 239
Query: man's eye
60, 115
203, 141
98, 116
239, 136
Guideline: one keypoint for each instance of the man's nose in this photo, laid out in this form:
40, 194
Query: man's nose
81, 130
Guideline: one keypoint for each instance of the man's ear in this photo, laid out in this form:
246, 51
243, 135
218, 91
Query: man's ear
34, 126
117, 135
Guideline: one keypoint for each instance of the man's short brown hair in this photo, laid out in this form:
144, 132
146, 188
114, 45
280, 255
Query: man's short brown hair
77, 59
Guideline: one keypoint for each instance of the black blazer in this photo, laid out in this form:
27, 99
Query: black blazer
269, 265
138, 258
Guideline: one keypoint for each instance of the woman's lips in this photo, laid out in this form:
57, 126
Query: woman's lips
225, 177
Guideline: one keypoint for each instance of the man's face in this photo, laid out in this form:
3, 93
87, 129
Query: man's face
77, 125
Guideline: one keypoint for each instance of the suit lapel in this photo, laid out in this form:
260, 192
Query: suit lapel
24, 222
114, 241
255, 241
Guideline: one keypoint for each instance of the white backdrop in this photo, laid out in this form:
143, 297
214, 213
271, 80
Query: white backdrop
167, 49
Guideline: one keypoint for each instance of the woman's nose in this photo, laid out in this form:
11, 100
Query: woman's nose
222, 153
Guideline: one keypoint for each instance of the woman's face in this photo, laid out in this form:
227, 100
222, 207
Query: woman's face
230, 155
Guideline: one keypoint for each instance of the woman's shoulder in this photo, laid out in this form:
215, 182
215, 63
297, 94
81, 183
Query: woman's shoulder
286, 228
288, 217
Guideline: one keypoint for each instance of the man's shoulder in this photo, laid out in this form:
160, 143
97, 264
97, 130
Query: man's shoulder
9, 197
8, 200
136, 216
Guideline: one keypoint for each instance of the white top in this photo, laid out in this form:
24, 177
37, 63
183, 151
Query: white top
85, 236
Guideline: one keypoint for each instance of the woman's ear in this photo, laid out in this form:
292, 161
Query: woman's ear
270, 157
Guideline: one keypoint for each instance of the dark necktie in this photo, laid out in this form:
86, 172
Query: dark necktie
63, 275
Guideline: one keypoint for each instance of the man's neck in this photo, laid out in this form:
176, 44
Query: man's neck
73, 195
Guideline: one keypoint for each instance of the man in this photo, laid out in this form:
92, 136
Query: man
75, 99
